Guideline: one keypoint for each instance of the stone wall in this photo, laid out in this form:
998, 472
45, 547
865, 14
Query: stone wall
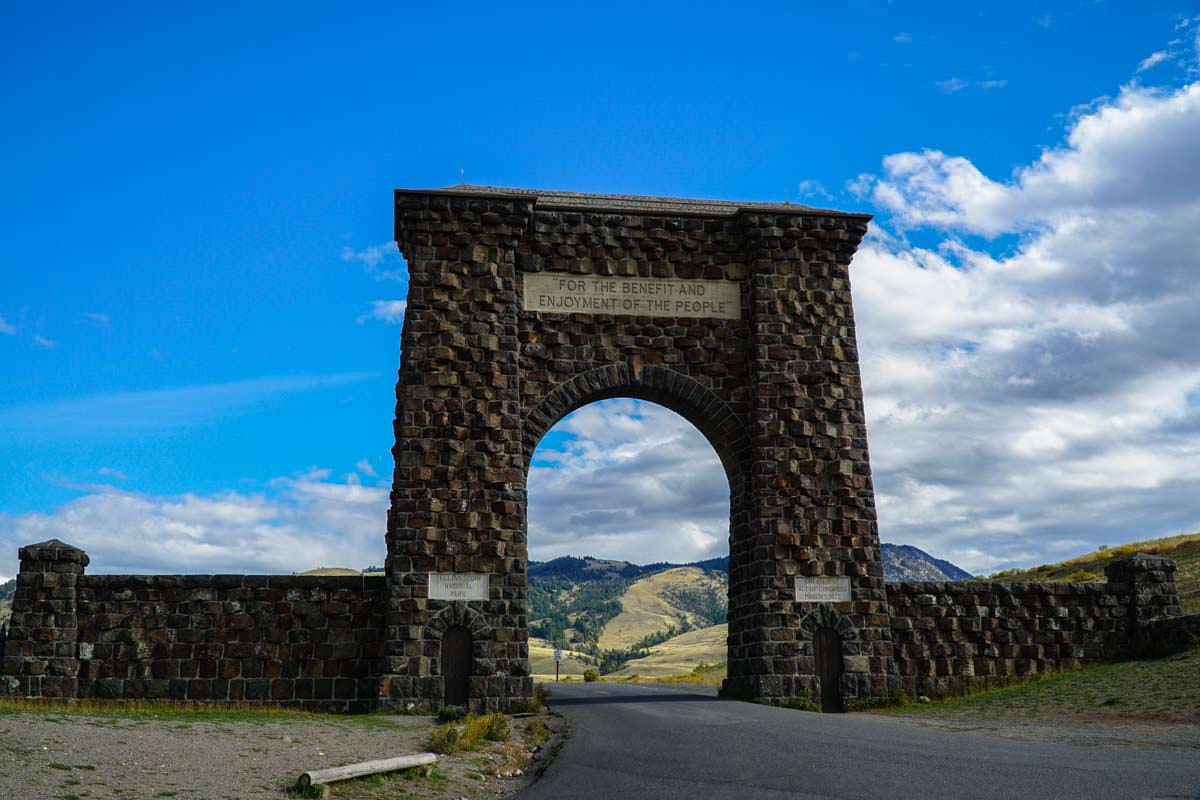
319, 642
312, 641
948, 634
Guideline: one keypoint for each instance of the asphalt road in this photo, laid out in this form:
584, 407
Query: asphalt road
631, 741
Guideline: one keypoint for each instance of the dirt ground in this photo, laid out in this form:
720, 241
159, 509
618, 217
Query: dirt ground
1151, 703
1099, 732
69, 756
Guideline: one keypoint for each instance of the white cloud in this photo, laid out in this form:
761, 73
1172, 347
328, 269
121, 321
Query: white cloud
955, 85
365, 468
381, 261
812, 188
302, 522
112, 415
42, 341
112, 472
631, 480
96, 318
6, 327
902, 38
1153, 60
389, 311
1046, 391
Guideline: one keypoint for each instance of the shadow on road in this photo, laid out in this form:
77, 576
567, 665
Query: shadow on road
631, 698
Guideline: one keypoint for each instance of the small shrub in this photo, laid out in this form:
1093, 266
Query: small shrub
453, 737
451, 713
540, 695
591, 675
536, 733
494, 727
446, 739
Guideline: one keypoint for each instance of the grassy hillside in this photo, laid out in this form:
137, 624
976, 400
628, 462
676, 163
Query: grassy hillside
1159, 690
680, 654
672, 601
1184, 550
6, 595
541, 660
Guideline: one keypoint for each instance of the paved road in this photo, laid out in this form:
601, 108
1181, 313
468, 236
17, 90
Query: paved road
681, 742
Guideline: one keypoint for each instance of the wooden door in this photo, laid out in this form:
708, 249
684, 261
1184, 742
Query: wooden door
456, 664
828, 655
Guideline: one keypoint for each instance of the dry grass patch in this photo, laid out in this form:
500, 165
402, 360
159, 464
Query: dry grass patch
1183, 549
1164, 690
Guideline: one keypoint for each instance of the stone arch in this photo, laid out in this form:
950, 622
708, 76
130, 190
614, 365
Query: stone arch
524, 306
464, 615
826, 616
669, 388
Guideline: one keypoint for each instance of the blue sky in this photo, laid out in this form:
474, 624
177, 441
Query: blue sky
195, 279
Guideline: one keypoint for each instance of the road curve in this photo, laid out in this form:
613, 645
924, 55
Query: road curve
630, 741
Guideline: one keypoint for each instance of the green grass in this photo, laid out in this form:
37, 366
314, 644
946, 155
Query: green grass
1153, 690
147, 710
1184, 550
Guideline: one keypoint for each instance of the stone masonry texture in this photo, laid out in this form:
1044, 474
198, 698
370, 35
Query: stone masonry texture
309, 641
776, 392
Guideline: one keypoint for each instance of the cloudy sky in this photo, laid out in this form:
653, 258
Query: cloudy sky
199, 305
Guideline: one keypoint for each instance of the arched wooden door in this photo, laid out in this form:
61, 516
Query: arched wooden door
827, 647
456, 664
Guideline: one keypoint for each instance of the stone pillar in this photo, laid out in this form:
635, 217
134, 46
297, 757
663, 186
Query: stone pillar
41, 656
458, 492
1147, 583
812, 500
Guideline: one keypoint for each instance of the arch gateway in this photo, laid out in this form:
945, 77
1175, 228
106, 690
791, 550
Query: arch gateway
525, 305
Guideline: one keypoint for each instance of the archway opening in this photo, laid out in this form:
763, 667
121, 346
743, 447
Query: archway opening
457, 646
628, 520
827, 653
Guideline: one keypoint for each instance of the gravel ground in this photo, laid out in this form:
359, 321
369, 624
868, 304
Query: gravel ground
1122, 733
75, 756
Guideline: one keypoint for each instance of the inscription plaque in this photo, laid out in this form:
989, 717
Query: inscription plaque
646, 297
822, 590
458, 586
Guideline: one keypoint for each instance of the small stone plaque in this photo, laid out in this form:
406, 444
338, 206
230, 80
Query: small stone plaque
822, 590
458, 586
643, 297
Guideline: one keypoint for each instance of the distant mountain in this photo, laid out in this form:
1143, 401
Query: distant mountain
901, 562
614, 613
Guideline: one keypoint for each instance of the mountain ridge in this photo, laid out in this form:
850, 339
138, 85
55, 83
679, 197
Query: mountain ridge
901, 562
